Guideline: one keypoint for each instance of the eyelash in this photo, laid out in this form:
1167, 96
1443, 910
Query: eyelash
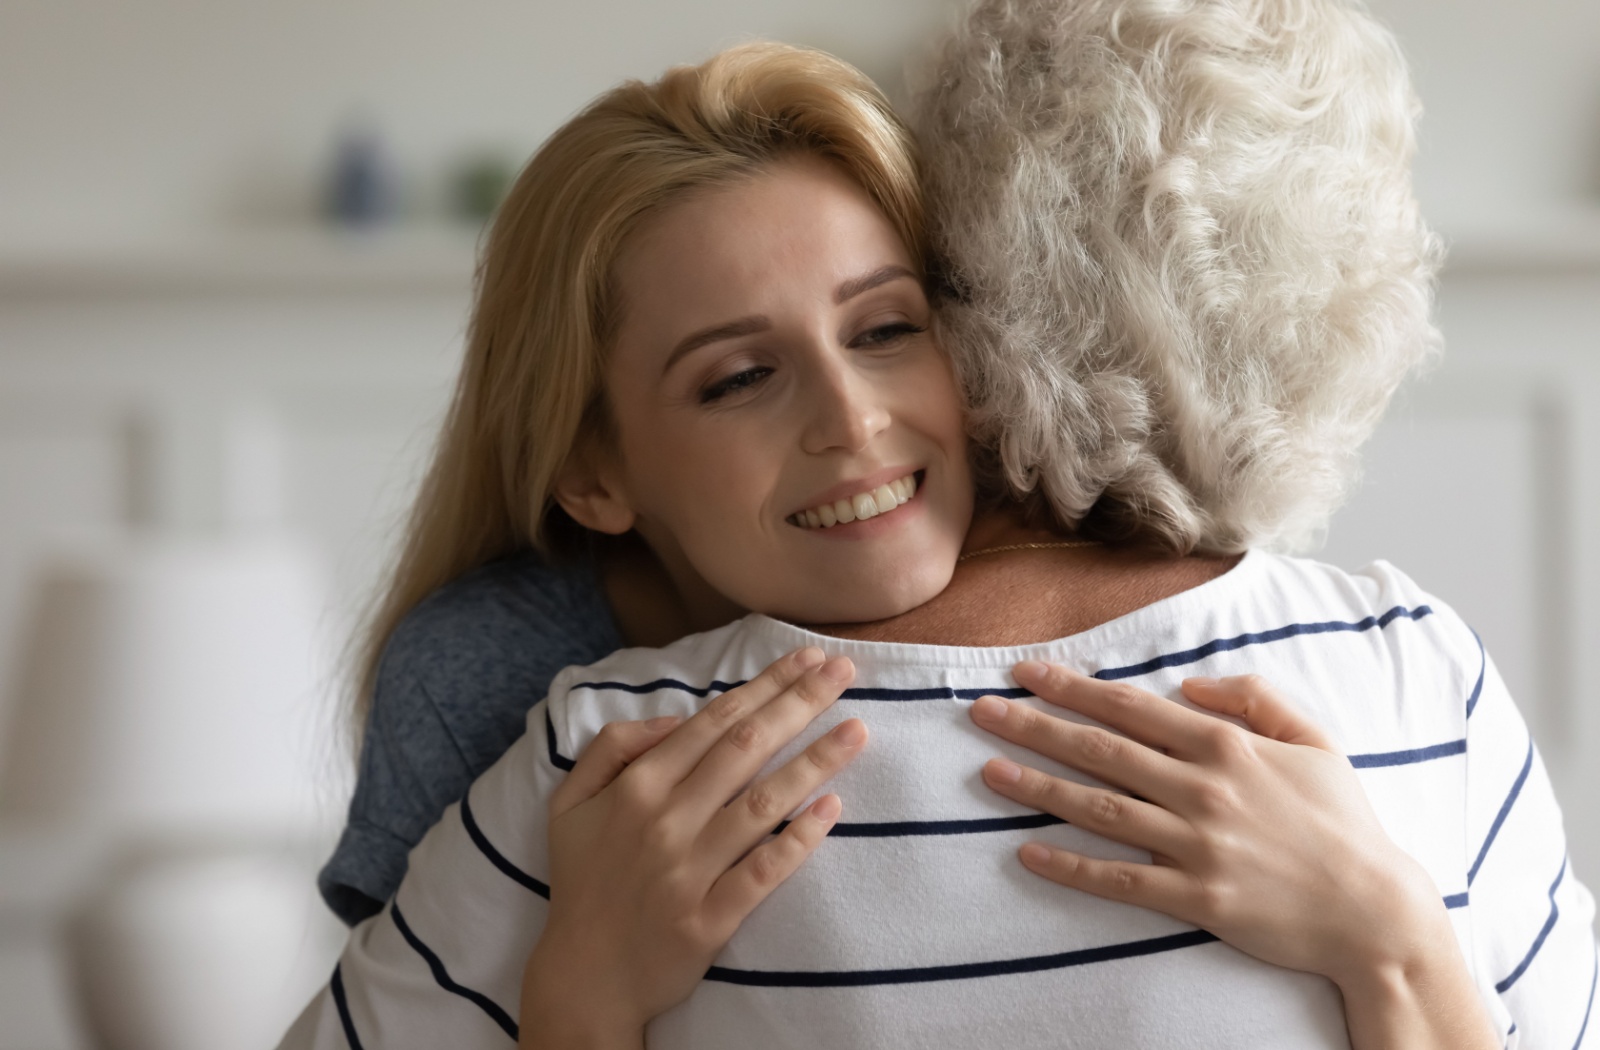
873, 338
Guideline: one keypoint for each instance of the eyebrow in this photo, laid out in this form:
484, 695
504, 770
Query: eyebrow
859, 285
760, 323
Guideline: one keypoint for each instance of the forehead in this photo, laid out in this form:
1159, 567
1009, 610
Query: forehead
796, 228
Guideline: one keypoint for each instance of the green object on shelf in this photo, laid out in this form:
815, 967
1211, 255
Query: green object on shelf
480, 185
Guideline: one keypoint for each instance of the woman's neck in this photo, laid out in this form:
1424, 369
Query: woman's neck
1035, 594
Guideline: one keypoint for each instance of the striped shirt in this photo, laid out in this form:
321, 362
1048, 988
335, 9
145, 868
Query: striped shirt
915, 924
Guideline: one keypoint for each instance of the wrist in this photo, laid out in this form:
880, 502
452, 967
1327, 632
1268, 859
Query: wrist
562, 1012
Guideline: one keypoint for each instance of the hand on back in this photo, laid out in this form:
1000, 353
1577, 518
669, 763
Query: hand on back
653, 868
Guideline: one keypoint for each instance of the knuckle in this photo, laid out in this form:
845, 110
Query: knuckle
1124, 697
762, 802
1100, 746
747, 735
1123, 879
1106, 808
766, 868
1231, 744
724, 710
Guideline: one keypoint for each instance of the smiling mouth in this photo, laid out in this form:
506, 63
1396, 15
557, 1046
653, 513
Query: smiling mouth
861, 506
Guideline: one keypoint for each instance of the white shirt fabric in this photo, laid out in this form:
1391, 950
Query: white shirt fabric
915, 925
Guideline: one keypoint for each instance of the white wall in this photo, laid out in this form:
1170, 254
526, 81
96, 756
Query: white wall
139, 117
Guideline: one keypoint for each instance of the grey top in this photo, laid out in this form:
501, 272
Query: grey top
454, 686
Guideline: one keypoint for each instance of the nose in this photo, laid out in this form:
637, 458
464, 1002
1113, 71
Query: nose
845, 409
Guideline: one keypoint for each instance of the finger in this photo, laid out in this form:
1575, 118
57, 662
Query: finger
1118, 817
759, 809
747, 745
676, 756
1265, 710
614, 747
1099, 752
735, 895
1152, 886
1141, 714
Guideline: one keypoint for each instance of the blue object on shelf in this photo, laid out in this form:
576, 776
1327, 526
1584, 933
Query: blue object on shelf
363, 191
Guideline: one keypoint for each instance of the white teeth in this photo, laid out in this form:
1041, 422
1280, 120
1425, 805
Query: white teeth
860, 507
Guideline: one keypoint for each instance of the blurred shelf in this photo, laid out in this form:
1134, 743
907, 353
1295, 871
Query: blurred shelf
401, 260
1562, 241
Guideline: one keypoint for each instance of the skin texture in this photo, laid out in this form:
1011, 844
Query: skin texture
832, 383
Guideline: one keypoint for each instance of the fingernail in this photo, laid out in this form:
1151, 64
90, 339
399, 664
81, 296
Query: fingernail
838, 670
850, 733
663, 723
1030, 669
1004, 771
1202, 682
989, 709
826, 808
1034, 855
809, 657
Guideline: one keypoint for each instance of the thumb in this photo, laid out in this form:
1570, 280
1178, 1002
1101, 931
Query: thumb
616, 745
1265, 710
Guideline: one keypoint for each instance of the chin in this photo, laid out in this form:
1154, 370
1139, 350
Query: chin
863, 600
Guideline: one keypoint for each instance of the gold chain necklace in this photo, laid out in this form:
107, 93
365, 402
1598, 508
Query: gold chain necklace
1025, 547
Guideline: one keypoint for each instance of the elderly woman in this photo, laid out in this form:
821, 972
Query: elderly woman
1186, 275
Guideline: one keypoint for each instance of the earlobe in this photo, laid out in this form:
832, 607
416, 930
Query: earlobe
593, 496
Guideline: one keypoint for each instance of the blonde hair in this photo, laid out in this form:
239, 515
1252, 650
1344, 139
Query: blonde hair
530, 384
1191, 270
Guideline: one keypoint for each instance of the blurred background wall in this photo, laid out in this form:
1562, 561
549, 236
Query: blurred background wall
190, 350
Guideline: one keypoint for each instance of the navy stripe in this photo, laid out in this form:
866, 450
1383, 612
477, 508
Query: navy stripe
557, 759
441, 975
942, 692
1406, 758
498, 859
1277, 634
660, 684
1505, 809
902, 828
1538, 942
1186, 656
1456, 900
956, 972
336, 986
1483, 667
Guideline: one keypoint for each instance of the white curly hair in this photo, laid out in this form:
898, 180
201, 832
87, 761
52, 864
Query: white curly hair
1187, 267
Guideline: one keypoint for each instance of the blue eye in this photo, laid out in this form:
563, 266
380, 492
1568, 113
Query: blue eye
732, 384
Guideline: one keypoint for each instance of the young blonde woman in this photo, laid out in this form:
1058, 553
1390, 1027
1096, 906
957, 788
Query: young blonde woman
762, 310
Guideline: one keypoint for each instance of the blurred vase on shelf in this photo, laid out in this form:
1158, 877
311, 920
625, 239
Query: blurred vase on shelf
363, 184
168, 704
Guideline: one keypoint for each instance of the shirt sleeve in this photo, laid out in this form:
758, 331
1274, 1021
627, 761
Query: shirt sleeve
1531, 919
441, 964
452, 693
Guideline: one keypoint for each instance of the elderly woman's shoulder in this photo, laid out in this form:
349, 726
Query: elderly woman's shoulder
1370, 598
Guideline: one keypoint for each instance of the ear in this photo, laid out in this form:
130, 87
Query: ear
589, 488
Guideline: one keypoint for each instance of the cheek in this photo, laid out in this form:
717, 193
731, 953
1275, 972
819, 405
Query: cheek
703, 478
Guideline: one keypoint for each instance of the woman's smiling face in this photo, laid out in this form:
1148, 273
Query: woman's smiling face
788, 435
